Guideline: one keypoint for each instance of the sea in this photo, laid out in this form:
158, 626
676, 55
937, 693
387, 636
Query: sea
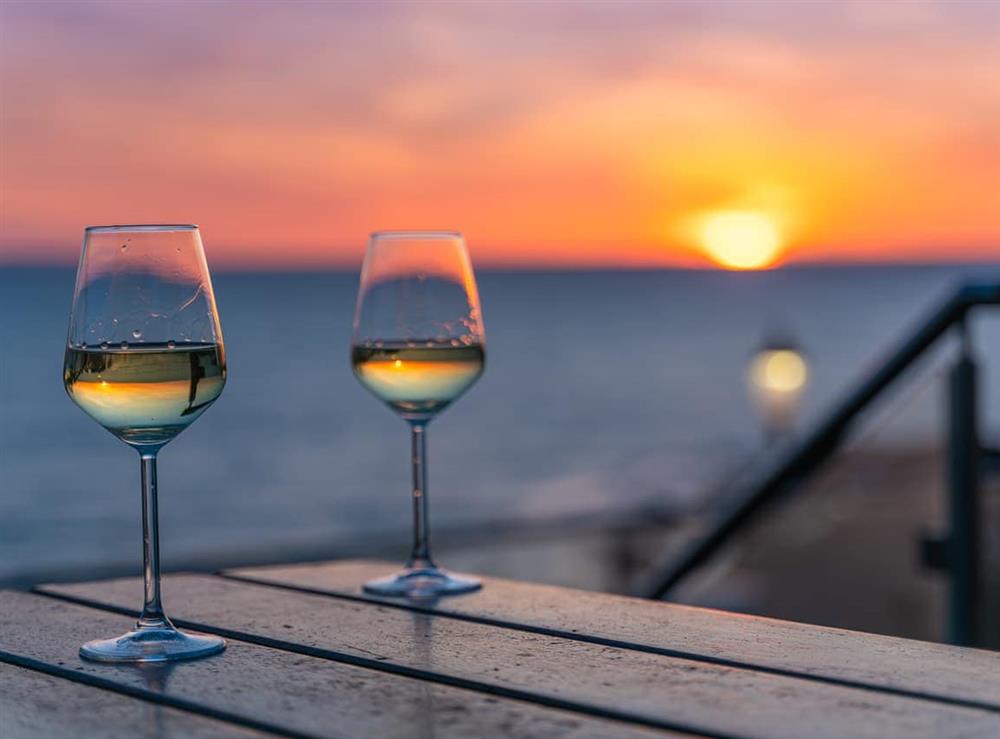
603, 391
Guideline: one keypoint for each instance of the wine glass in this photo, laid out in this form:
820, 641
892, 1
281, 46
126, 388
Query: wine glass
418, 344
144, 358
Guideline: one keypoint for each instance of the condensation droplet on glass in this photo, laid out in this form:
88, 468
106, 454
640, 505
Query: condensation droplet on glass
114, 321
83, 344
171, 344
124, 345
136, 333
104, 345
124, 247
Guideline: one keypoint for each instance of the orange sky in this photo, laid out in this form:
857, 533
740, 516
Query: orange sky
552, 134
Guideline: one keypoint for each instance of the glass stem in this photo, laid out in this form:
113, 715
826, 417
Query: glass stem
420, 557
152, 608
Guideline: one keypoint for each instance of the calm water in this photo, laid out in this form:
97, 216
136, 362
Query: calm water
601, 390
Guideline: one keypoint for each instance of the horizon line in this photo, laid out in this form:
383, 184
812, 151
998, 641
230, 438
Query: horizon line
488, 266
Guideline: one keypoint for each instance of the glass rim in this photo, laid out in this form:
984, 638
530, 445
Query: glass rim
142, 227
416, 234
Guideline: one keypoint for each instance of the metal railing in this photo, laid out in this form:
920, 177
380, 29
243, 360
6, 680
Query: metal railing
959, 551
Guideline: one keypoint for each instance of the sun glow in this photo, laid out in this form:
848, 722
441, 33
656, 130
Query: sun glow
741, 240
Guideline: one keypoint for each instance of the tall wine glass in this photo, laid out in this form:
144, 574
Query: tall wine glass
418, 344
144, 358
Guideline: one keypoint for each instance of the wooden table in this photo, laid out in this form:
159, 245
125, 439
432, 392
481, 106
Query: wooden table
310, 656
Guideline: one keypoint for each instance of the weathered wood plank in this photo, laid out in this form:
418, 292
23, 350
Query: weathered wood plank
305, 695
952, 673
651, 687
38, 706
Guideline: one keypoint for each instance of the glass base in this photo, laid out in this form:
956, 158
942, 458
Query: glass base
422, 583
153, 645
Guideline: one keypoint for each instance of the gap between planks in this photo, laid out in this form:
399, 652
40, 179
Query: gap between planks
619, 644
410, 672
94, 681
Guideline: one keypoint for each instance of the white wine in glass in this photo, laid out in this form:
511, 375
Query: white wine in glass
418, 344
418, 381
144, 358
145, 394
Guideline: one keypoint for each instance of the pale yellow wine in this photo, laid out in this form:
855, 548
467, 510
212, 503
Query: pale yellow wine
418, 379
145, 394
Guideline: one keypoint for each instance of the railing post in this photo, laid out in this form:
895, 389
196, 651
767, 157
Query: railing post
963, 483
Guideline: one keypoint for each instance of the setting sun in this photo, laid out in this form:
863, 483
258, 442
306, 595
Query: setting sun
741, 240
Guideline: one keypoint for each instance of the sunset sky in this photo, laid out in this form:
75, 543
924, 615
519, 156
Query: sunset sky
551, 134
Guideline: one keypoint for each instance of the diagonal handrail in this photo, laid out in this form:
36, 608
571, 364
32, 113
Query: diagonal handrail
817, 446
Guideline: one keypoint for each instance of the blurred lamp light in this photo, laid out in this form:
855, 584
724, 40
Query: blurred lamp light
778, 376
